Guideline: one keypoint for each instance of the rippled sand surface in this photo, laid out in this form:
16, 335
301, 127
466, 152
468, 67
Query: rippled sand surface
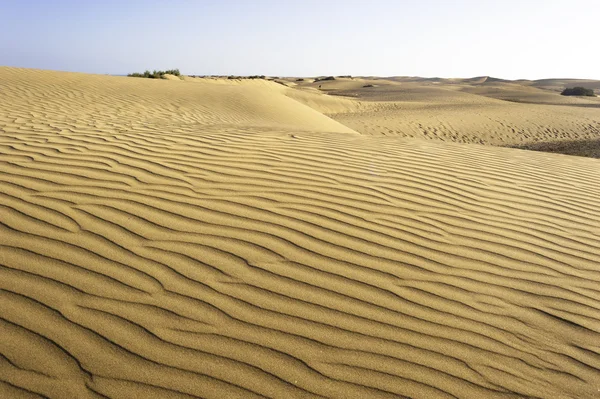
214, 239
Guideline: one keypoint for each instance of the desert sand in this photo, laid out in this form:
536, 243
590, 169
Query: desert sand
213, 238
481, 111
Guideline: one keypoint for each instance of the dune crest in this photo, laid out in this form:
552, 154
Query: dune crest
192, 240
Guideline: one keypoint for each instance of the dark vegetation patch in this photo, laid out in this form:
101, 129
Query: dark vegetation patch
580, 148
369, 85
578, 91
155, 74
245, 77
320, 79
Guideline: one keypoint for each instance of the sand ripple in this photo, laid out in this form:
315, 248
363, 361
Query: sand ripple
146, 252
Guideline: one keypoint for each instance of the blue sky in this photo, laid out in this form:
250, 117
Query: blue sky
461, 38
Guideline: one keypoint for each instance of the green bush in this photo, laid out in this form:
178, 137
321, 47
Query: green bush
155, 74
578, 91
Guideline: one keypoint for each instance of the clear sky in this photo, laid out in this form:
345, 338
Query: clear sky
447, 38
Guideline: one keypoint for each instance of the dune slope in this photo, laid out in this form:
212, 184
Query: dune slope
164, 248
477, 111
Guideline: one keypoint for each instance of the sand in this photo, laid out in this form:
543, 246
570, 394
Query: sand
207, 238
478, 111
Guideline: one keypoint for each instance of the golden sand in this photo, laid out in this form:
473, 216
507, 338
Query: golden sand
226, 239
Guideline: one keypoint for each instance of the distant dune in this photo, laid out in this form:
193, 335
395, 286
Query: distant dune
481, 110
213, 238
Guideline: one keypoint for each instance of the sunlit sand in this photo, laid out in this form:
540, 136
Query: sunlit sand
214, 238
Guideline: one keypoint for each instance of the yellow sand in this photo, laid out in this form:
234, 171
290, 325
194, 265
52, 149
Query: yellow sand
479, 111
222, 239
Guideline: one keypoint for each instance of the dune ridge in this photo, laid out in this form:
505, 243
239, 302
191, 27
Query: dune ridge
168, 239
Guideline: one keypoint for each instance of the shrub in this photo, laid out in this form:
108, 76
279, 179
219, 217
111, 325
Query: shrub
155, 74
578, 91
300, 80
325, 78
369, 85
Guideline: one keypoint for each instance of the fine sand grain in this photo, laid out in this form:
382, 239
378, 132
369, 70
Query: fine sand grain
225, 239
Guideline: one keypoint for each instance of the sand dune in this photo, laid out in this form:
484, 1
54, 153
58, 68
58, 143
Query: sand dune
97, 102
195, 239
560, 84
477, 111
499, 124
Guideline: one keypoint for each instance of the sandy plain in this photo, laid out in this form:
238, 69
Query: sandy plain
213, 238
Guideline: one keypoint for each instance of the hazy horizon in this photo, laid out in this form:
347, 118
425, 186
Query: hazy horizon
509, 40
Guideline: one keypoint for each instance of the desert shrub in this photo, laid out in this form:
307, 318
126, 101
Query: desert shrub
324, 78
300, 80
369, 85
578, 91
155, 74
345, 76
